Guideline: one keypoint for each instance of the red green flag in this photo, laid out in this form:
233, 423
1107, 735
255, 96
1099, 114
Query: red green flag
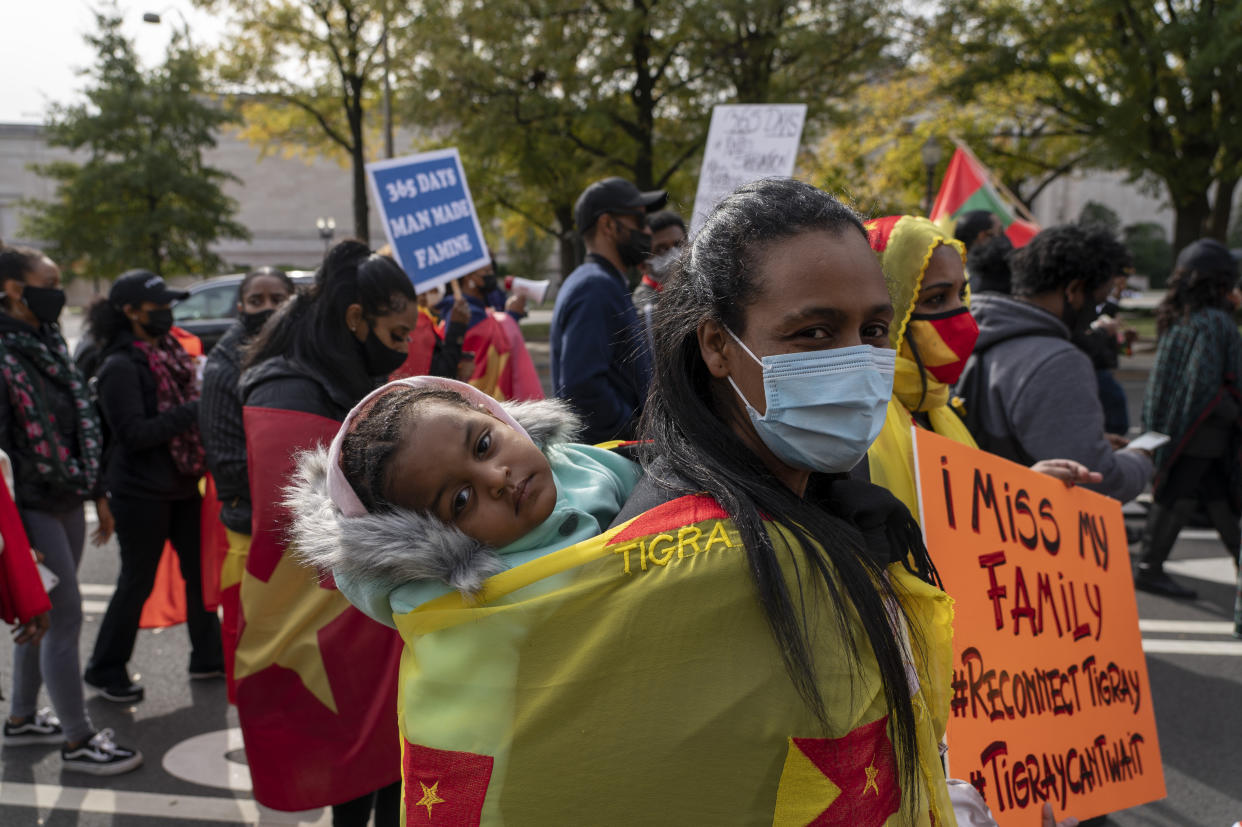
968, 185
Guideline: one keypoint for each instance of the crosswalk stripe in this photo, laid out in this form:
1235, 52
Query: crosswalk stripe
1186, 627
1212, 569
1232, 648
96, 589
153, 805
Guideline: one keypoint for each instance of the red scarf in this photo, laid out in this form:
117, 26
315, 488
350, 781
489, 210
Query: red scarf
176, 383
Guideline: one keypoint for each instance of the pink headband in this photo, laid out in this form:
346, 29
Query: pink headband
339, 489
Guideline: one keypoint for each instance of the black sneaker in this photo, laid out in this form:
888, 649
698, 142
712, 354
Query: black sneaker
100, 756
120, 693
40, 728
1156, 581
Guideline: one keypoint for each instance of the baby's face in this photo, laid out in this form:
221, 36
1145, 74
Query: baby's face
469, 469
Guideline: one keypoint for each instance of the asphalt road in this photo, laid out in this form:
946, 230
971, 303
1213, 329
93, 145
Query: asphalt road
195, 774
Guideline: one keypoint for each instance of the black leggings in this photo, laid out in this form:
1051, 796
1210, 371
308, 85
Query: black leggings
386, 802
1195, 482
142, 526
1195, 478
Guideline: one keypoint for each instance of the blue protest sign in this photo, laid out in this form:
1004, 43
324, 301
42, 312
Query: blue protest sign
429, 217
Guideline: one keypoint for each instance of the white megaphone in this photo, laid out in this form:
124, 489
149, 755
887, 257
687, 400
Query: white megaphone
533, 289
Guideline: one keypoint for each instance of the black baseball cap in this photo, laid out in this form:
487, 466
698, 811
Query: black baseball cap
137, 286
614, 195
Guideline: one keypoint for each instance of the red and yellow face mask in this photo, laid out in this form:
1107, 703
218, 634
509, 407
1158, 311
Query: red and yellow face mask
944, 342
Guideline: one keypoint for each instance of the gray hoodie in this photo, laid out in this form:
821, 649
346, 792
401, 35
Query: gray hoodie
1030, 394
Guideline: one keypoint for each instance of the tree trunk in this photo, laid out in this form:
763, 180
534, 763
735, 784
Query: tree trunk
362, 215
358, 157
1222, 208
1190, 217
570, 244
643, 96
157, 258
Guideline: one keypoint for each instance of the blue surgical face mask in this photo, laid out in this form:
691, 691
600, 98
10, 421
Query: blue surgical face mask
824, 408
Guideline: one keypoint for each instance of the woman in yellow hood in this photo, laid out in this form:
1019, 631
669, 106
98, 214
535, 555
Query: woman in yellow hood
933, 334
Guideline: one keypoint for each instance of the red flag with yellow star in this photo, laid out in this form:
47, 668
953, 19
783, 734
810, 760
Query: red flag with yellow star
315, 678
633, 679
463, 776
423, 340
486, 339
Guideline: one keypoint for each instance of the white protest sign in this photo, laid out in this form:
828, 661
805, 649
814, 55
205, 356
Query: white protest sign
429, 216
746, 142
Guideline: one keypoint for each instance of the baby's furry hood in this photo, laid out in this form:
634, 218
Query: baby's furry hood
399, 546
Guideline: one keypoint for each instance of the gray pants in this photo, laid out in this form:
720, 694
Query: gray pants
54, 660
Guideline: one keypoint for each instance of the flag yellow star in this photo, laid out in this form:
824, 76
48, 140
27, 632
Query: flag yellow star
430, 797
872, 772
283, 619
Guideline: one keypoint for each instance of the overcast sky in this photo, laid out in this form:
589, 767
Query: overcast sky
44, 47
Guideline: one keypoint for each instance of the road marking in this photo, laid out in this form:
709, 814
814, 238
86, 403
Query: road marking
1198, 534
1212, 569
94, 607
202, 760
49, 797
96, 589
1230, 648
1186, 627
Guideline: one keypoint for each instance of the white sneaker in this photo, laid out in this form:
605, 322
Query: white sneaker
100, 756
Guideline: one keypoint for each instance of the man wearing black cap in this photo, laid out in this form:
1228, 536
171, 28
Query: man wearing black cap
600, 360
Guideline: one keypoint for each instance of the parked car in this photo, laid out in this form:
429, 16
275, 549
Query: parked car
211, 307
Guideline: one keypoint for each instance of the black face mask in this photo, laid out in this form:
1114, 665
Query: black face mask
253, 322
158, 322
635, 249
44, 302
379, 358
489, 284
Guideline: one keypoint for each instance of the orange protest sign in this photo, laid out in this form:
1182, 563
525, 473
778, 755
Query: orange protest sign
1051, 700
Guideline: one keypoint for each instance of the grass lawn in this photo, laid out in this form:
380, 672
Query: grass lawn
1144, 323
535, 331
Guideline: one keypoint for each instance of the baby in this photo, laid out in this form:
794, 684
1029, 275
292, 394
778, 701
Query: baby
432, 485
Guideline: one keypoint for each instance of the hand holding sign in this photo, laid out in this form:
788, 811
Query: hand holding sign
1050, 697
429, 216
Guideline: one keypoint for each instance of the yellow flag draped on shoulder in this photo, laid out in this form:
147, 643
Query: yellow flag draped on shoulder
633, 679
891, 456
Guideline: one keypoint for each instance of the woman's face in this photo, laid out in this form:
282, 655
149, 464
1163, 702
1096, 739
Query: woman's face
141, 314
818, 290
392, 329
470, 470
263, 293
944, 283
44, 273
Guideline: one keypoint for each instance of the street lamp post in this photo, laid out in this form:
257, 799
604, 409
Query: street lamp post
931, 157
327, 229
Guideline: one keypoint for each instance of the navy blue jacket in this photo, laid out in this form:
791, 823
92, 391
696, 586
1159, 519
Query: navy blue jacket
600, 360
